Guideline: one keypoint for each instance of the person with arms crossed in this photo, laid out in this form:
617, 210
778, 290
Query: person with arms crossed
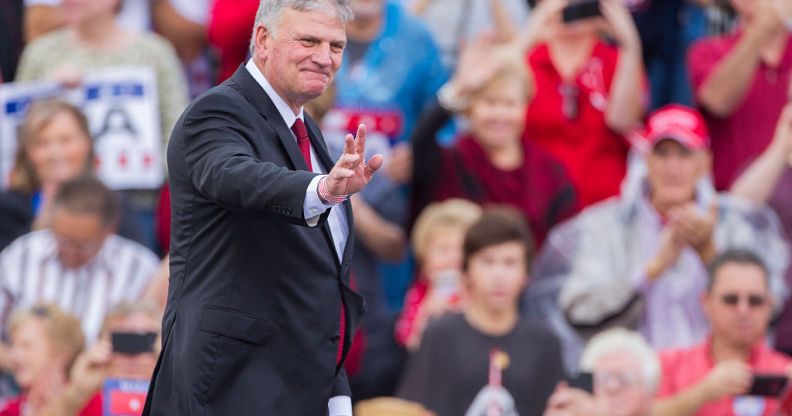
260, 315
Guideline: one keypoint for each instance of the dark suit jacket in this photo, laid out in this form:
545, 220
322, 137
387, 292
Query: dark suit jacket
252, 321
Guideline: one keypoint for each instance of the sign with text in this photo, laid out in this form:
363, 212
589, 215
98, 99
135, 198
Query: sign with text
124, 397
122, 108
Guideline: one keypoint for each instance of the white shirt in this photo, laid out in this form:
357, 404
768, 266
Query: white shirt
31, 273
313, 207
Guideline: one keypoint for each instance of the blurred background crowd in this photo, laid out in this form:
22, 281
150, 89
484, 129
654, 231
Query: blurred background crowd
571, 188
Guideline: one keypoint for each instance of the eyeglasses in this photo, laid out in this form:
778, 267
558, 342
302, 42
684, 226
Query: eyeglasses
83, 247
754, 301
615, 380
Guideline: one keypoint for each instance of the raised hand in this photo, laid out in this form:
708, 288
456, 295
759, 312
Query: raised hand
546, 14
620, 23
351, 173
476, 65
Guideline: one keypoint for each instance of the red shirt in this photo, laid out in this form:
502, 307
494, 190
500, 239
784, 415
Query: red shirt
682, 368
405, 326
739, 138
93, 407
595, 157
229, 32
13, 407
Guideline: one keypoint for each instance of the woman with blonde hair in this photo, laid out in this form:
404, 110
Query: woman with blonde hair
489, 163
45, 341
55, 146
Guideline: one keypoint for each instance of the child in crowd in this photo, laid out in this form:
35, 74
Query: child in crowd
437, 241
489, 355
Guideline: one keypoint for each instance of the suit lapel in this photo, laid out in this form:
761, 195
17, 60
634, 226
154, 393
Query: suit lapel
264, 105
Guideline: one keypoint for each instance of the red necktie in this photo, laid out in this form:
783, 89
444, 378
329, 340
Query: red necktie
303, 141
299, 130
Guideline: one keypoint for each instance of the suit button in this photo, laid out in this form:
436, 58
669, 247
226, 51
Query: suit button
335, 338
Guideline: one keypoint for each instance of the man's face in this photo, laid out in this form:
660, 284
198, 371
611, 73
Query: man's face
673, 172
618, 382
738, 305
301, 56
79, 236
496, 276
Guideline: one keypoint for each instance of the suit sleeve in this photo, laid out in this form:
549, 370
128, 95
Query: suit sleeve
341, 385
223, 166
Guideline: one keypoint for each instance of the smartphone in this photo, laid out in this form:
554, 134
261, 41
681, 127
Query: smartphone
768, 385
132, 343
583, 381
583, 9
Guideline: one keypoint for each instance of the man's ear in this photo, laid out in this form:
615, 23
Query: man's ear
263, 35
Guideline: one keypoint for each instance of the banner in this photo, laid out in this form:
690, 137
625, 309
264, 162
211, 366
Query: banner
122, 108
124, 397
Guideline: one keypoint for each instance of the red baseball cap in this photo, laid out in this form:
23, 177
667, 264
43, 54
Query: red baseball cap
680, 123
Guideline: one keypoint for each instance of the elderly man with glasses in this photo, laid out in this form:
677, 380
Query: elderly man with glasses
625, 374
715, 376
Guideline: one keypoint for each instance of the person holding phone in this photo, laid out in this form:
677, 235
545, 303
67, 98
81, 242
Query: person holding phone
589, 92
621, 374
729, 372
437, 240
127, 350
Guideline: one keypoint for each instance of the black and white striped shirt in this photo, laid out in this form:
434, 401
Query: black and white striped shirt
31, 272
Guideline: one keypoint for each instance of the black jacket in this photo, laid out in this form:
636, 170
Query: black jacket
251, 325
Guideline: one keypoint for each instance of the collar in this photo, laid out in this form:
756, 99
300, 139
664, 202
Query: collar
280, 104
753, 357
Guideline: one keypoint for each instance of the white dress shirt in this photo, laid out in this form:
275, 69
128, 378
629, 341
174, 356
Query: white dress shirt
313, 207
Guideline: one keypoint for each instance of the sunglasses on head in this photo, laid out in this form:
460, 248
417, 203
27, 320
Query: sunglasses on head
754, 301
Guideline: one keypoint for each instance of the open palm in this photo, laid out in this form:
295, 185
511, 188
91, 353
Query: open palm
351, 173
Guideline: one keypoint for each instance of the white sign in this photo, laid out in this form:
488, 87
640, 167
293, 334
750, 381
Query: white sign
121, 105
15, 99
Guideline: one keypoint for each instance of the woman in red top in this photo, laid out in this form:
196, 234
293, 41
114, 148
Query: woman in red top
588, 93
490, 163
44, 343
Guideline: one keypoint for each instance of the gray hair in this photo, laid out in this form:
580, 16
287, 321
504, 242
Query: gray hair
269, 12
620, 340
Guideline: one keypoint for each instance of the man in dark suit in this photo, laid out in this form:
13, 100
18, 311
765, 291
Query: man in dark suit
260, 315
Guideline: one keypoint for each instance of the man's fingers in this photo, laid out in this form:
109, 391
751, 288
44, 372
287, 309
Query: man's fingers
348, 160
360, 140
374, 164
349, 144
340, 172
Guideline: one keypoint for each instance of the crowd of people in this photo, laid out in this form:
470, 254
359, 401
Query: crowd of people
576, 216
